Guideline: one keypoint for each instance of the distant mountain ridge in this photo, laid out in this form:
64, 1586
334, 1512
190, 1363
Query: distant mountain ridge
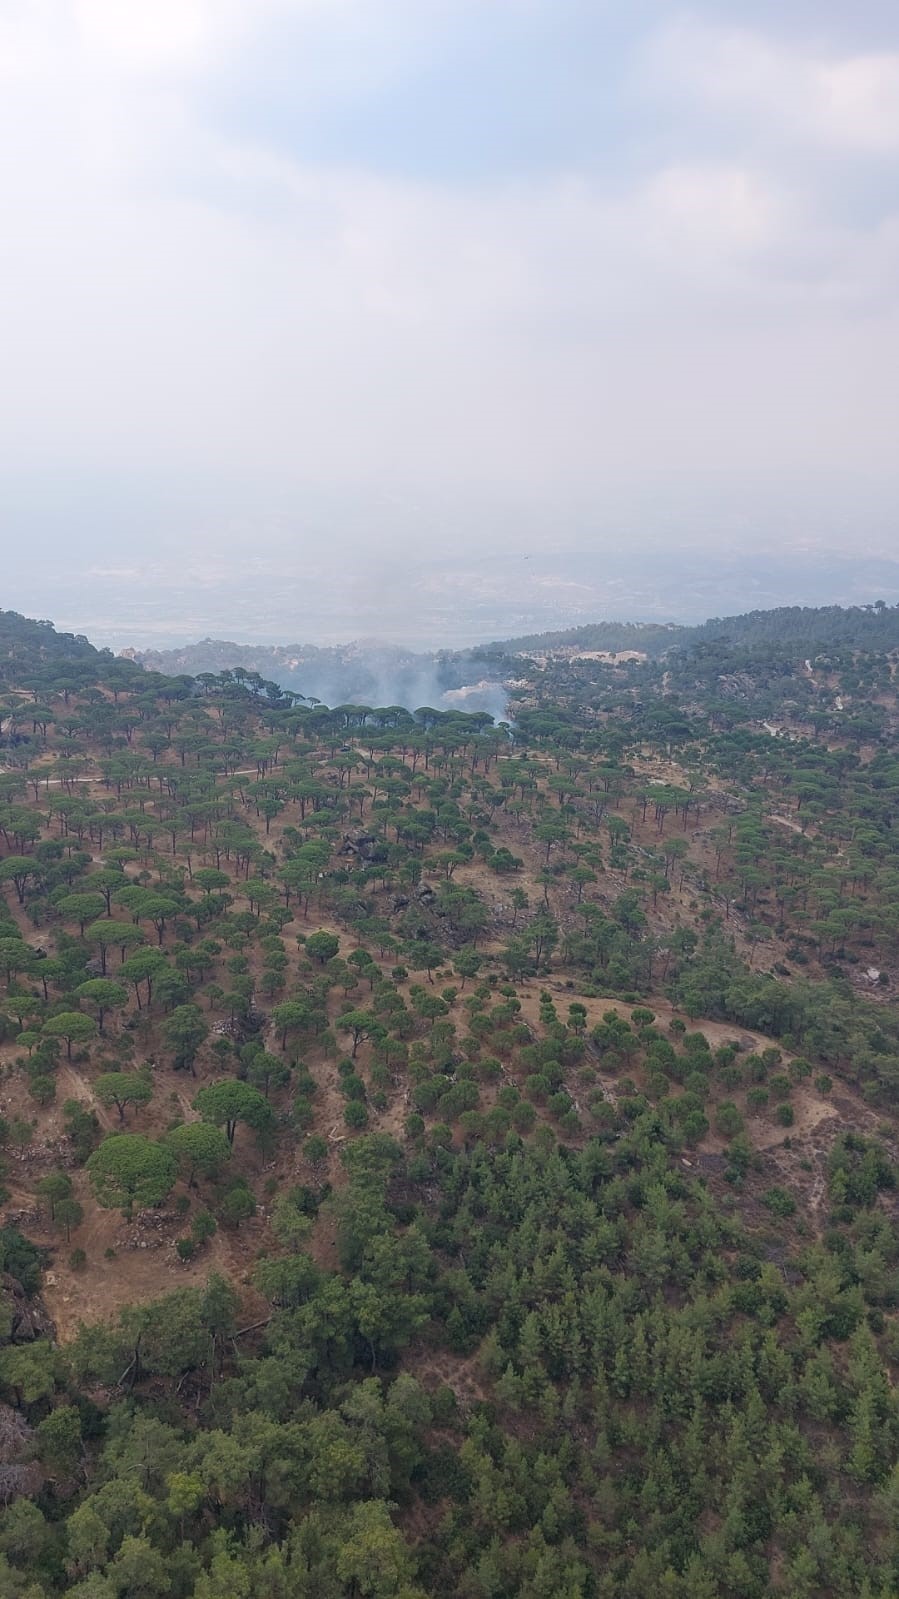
374, 673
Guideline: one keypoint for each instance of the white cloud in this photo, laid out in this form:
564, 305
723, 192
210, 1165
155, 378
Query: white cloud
857, 102
177, 300
154, 36
716, 207
144, 36
845, 102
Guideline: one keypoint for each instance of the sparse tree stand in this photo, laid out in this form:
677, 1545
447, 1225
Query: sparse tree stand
82, 908
322, 946
103, 994
361, 1025
123, 1089
231, 1101
54, 1189
198, 1147
73, 1026
293, 1016
184, 1032
109, 935
143, 967
467, 963
17, 869
15, 956
130, 1170
265, 1071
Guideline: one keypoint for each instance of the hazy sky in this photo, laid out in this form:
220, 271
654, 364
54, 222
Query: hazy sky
283, 271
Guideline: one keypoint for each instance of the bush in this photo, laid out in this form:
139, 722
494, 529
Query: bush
203, 1227
859, 1169
303, 1114
352, 1086
425, 1095
785, 1115
728, 1120
315, 1149
697, 1083
355, 1114
238, 1205
77, 1260
779, 1202
185, 1248
460, 1097
523, 1116
694, 1127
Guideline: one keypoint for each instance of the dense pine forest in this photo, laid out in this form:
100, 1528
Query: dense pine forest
449, 1157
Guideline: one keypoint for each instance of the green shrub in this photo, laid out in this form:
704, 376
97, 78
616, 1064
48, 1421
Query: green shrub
728, 1120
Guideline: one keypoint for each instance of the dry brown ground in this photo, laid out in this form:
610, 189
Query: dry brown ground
137, 1274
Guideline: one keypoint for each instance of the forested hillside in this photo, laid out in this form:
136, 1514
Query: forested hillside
653, 638
448, 1158
25, 645
800, 629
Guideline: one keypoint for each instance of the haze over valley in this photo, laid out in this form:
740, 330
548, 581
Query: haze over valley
439, 601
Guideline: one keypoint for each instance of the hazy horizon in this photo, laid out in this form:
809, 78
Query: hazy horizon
453, 605
311, 306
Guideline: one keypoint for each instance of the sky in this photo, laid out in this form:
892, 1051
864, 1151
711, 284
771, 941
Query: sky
349, 285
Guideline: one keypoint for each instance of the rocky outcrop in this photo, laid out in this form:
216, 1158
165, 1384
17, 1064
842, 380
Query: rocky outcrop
19, 1476
365, 846
25, 1319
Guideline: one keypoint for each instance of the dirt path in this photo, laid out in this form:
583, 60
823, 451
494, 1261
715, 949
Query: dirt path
72, 1085
717, 1033
784, 821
